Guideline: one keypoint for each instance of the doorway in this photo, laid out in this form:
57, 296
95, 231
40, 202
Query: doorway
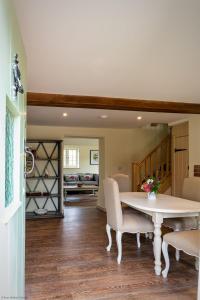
80, 171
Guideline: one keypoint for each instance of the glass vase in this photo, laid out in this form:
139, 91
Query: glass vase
151, 196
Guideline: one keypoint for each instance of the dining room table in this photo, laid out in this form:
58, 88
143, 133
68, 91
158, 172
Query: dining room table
164, 206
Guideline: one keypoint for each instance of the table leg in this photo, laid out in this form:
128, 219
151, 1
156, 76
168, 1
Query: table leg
157, 220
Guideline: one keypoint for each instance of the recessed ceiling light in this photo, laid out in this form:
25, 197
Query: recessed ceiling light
103, 116
65, 114
139, 118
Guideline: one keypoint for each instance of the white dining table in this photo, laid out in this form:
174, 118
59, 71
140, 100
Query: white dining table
164, 206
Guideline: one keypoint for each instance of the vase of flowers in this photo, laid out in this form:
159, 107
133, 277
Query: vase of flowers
151, 196
151, 186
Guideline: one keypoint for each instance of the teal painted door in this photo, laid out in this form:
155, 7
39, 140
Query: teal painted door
12, 137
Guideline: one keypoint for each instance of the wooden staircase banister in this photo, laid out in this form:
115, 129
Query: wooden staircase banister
154, 150
156, 163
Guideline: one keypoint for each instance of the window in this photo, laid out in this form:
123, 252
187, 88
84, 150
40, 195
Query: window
71, 158
13, 171
9, 157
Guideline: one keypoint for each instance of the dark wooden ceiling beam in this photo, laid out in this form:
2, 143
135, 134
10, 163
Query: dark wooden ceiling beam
58, 100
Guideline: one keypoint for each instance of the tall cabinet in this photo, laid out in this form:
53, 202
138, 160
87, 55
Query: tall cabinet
44, 183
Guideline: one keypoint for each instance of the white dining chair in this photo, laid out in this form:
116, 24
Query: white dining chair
123, 182
122, 221
188, 242
191, 191
124, 186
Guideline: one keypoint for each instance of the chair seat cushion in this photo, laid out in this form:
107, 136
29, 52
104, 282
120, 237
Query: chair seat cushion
133, 223
187, 241
178, 224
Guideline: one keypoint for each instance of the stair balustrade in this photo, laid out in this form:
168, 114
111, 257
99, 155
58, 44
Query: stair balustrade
156, 164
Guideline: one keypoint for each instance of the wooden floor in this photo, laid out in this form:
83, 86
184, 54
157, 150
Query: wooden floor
66, 259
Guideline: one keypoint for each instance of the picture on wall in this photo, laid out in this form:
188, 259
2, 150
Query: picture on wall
94, 157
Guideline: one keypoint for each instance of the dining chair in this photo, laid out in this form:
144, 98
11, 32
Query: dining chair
191, 191
124, 186
123, 182
121, 221
188, 242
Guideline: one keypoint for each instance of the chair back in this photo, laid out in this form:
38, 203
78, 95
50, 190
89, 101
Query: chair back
113, 204
123, 182
191, 188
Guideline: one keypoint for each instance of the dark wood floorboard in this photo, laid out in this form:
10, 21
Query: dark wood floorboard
66, 259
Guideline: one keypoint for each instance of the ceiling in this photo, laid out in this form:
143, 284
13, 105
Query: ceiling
135, 48
53, 116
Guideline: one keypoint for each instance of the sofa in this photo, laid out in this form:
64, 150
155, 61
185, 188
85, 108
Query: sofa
82, 178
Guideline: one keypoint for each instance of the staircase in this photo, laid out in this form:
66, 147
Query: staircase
157, 163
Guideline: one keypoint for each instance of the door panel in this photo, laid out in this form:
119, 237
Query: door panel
12, 213
180, 155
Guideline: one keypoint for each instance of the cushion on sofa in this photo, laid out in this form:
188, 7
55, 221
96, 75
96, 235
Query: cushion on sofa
86, 177
71, 177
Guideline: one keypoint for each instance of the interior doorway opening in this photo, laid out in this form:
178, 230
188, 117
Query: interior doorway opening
81, 171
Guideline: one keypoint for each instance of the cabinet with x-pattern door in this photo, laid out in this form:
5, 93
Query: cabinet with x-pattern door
44, 183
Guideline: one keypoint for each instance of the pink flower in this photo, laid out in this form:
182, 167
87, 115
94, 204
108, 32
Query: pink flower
146, 187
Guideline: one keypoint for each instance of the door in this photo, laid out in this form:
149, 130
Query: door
12, 135
180, 157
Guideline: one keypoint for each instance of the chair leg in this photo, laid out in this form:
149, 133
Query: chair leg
108, 230
177, 255
166, 257
119, 246
177, 252
138, 240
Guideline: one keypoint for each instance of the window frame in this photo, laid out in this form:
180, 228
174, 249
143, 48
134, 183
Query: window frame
66, 164
13, 206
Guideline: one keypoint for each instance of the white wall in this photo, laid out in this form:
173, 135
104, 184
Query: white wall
84, 161
118, 147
